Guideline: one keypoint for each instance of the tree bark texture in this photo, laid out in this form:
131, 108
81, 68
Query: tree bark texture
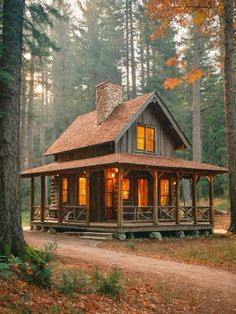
230, 105
196, 118
10, 211
132, 52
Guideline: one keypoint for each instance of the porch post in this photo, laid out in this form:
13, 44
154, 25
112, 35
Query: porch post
120, 199
155, 197
194, 198
42, 198
211, 203
31, 198
177, 199
59, 213
87, 197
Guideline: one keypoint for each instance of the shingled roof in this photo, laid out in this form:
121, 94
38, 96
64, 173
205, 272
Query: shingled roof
159, 162
84, 131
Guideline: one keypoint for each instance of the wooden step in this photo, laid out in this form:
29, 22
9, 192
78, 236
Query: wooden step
103, 236
94, 238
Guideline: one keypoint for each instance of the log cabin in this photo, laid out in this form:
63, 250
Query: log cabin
115, 170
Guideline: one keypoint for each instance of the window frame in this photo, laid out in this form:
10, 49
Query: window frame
65, 190
79, 190
145, 150
168, 195
128, 191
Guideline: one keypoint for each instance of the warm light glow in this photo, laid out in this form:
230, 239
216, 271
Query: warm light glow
64, 190
126, 188
109, 187
140, 137
142, 192
150, 139
116, 170
164, 192
82, 191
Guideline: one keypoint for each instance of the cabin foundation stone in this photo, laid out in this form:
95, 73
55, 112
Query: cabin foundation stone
156, 235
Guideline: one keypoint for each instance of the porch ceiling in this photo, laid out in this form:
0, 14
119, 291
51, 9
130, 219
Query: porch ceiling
128, 160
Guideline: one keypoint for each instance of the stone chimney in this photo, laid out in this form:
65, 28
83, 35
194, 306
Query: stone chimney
108, 96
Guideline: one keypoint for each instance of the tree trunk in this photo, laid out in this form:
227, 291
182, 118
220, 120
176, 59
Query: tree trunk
127, 47
196, 118
133, 63
230, 106
23, 121
11, 234
30, 114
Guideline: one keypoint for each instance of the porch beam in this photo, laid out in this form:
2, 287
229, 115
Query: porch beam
120, 218
177, 199
155, 196
211, 199
42, 198
31, 198
194, 198
60, 200
87, 197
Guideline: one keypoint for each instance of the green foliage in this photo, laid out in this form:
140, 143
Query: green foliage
73, 281
110, 285
131, 244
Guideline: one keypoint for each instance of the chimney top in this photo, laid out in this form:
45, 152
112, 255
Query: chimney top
108, 97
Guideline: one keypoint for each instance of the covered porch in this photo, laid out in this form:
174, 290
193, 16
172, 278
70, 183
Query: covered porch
125, 195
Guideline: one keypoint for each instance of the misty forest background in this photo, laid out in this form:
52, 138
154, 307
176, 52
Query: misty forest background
91, 41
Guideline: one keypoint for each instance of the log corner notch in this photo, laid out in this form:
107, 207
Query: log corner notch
120, 217
60, 200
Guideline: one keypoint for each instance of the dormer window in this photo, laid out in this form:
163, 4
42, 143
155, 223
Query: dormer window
145, 138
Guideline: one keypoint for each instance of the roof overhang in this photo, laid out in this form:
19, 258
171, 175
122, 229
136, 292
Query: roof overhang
165, 164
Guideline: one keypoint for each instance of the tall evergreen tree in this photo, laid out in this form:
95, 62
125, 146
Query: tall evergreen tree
10, 212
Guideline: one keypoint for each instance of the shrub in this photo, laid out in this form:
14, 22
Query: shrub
73, 281
110, 285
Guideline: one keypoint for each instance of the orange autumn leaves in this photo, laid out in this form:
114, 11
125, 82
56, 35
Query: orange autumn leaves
204, 14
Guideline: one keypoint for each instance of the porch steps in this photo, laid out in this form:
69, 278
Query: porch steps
98, 236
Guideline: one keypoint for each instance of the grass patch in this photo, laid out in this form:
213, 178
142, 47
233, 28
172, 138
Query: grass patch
109, 285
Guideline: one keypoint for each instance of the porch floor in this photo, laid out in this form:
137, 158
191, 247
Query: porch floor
127, 227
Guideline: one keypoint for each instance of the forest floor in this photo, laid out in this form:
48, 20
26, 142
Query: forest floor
153, 283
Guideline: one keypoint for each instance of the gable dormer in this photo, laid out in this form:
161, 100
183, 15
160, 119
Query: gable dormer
142, 125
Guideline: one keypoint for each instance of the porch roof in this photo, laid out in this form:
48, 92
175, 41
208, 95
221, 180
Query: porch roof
160, 162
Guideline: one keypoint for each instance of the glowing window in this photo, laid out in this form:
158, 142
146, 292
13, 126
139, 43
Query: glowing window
164, 192
110, 175
145, 138
141, 137
142, 192
64, 190
150, 139
82, 191
126, 189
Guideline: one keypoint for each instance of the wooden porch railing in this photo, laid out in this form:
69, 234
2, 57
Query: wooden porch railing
186, 213
138, 213
166, 213
36, 212
74, 213
204, 213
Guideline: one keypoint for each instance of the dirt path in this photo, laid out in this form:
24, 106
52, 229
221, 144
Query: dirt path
215, 286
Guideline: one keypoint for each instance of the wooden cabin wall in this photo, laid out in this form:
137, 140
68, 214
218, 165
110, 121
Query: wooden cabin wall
87, 152
165, 145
